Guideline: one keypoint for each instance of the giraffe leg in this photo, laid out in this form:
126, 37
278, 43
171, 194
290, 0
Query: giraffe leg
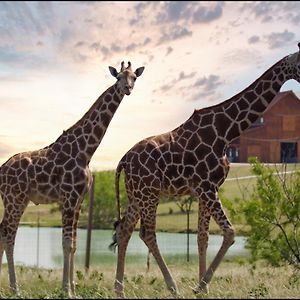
203, 235
123, 232
68, 217
73, 250
1, 248
9, 227
148, 235
215, 209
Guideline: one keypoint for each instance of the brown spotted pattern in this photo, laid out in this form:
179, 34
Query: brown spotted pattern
59, 173
191, 159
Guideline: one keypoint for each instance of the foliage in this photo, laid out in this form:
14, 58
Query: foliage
185, 203
273, 213
105, 208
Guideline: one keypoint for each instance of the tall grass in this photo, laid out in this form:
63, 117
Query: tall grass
232, 280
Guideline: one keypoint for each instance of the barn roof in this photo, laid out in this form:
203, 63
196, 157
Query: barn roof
279, 97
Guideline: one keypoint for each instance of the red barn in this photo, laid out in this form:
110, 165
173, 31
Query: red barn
274, 137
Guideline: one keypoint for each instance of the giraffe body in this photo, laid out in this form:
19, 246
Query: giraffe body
59, 173
191, 159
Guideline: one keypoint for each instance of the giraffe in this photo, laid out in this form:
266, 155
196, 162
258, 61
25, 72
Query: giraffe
59, 173
191, 160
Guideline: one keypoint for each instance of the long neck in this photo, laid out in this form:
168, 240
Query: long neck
235, 115
84, 137
218, 125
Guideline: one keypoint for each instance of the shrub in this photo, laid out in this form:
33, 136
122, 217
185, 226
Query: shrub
273, 213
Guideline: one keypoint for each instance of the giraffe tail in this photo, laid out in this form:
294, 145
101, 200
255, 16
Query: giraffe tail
119, 169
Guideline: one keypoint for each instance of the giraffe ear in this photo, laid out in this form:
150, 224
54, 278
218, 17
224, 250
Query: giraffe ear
139, 71
113, 71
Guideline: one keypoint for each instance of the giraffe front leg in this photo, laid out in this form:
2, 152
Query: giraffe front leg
67, 243
8, 235
203, 235
9, 249
73, 250
215, 209
1, 248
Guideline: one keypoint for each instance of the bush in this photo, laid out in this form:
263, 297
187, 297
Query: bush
273, 213
105, 208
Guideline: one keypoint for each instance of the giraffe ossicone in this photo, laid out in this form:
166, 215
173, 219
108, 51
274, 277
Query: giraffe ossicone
191, 159
59, 173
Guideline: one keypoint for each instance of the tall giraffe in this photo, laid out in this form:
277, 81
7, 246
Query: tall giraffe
191, 159
59, 173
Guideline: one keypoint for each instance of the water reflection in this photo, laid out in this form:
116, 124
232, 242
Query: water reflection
42, 247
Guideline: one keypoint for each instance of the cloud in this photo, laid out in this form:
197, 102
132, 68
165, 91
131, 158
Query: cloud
146, 41
79, 44
205, 14
116, 47
208, 83
189, 12
175, 10
174, 33
279, 39
272, 11
183, 76
174, 83
206, 87
140, 12
169, 50
253, 39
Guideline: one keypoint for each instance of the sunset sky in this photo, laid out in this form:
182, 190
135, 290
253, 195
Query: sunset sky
54, 59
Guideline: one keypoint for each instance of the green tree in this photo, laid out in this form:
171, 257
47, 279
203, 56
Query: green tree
105, 209
273, 213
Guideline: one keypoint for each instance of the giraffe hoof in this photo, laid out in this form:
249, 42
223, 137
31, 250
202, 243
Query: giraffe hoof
201, 289
120, 295
15, 290
119, 290
174, 290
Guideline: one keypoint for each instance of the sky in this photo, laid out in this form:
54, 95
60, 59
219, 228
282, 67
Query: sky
54, 59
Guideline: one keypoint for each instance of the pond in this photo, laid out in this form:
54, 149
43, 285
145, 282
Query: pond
42, 247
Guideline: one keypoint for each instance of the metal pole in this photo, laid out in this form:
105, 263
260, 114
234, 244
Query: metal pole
38, 239
188, 236
148, 261
89, 227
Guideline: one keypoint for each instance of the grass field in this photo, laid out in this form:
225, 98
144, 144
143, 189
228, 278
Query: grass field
231, 280
235, 278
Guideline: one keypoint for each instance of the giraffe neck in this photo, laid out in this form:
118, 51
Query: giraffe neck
246, 107
83, 138
231, 117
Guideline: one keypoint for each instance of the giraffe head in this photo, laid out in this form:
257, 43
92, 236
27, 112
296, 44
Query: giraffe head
126, 77
293, 65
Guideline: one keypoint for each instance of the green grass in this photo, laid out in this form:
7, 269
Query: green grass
232, 280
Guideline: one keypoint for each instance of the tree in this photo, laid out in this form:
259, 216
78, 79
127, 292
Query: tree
105, 209
273, 213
